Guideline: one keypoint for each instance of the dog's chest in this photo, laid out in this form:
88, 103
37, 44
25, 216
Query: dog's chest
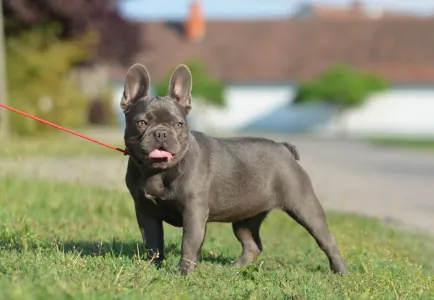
160, 201
153, 187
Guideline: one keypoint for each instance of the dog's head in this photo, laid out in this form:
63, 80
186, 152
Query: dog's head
156, 131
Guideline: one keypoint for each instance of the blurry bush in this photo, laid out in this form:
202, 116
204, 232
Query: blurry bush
38, 66
75, 18
205, 87
342, 86
45, 41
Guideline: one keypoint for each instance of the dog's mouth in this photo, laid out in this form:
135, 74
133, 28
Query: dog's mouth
160, 154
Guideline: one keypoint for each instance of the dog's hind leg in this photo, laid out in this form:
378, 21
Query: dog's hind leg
247, 233
308, 212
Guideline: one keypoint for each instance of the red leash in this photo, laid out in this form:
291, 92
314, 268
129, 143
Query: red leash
125, 152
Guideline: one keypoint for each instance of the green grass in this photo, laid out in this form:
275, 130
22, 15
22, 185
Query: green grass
76, 242
403, 142
57, 145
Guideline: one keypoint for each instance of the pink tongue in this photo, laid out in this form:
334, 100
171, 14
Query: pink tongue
160, 154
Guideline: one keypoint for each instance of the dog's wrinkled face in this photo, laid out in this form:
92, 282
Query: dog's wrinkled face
156, 131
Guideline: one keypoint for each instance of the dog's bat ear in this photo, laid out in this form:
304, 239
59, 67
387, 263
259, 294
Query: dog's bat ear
137, 85
180, 86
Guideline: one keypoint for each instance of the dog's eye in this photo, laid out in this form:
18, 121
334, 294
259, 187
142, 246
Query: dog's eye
142, 123
179, 124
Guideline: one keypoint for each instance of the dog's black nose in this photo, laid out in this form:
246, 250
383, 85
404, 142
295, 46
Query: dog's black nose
160, 134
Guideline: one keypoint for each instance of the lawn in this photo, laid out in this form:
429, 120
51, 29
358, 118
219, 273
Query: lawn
77, 242
404, 142
56, 145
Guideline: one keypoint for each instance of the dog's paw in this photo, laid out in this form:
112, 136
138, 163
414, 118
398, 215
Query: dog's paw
186, 267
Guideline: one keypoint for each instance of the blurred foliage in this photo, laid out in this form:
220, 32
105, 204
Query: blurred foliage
340, 85
119, 39
45, 40
38, 66
205, 87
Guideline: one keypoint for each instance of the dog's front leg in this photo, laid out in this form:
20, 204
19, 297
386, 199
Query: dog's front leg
153, 236
194, 228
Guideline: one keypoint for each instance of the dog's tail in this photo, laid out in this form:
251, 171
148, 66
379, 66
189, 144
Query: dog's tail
293, 150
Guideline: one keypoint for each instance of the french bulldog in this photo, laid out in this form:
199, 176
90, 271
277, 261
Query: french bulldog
187, 178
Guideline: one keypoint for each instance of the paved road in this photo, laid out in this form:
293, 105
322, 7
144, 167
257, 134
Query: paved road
392, 184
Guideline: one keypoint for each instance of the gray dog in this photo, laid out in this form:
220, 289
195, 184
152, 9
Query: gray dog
187, 179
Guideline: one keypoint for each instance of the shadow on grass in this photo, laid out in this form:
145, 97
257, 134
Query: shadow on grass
130, 249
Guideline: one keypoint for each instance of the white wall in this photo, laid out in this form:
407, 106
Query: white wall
398, 111
116, 104
243, 105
